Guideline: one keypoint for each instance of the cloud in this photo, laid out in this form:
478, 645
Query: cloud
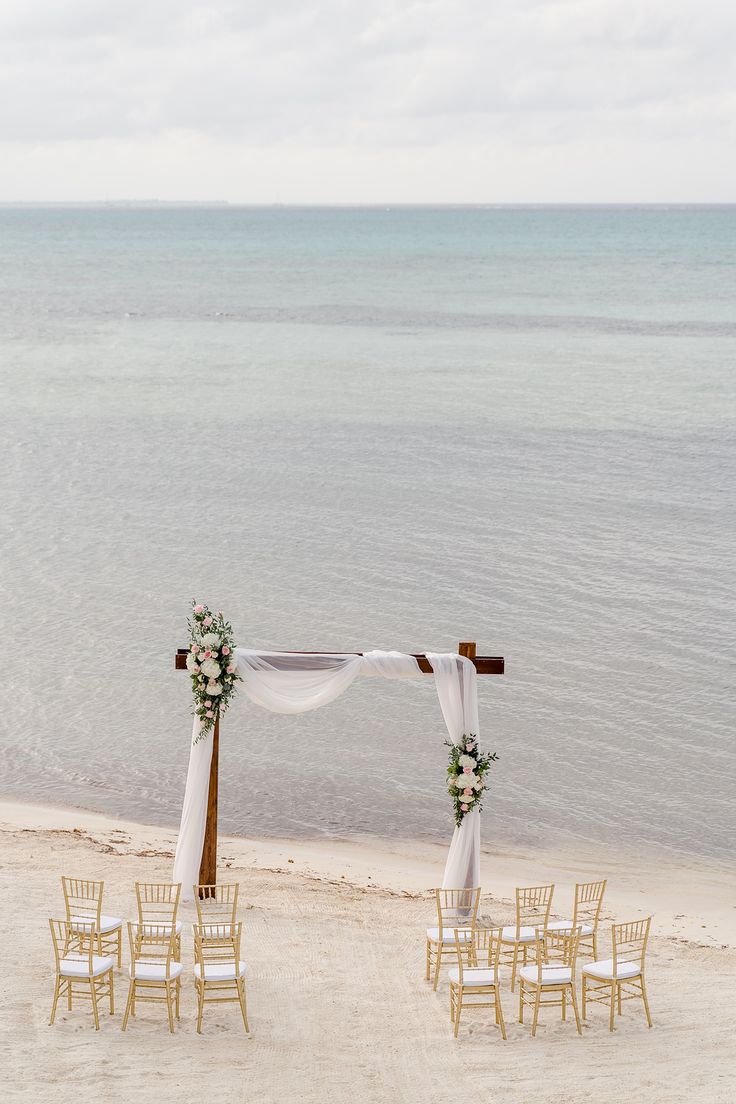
452, 76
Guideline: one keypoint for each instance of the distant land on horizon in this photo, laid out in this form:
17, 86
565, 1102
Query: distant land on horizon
385, 205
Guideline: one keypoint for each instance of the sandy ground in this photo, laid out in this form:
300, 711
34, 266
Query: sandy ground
338, 1004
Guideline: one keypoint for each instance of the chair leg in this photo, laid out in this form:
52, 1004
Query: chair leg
93, 987
112, 995
574, 1000
613, 1006
169, 1007
514, 965
69, 994
521, 1002
120, 948
241, 995
57, 990
564, 1006
499, 1015
458, 1010
537, 1002
177, 991
646, 1002
200, 1007
437, 966
130, 1002
585, 993
429, 963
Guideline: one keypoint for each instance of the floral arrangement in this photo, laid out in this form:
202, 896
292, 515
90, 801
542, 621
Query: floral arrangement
465, 775
211, 664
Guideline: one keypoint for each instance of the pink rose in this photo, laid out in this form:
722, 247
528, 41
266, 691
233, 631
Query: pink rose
207, 621
196, 667
463, 807
207, 654
210, 714
230, 669
467, 793
467, 770
195, 649
199, 609
225, 650
469, 747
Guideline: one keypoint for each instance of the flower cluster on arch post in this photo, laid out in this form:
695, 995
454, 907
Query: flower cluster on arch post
212, 665
466, 775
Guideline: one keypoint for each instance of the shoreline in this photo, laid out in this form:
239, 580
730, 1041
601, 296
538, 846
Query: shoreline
638, 883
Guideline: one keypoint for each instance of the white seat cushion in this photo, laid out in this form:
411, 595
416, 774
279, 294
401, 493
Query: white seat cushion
219, 971
155, 971
526, 935
107, 923
448, 935
566, 926
78, 965
472, 976
551, 975
604, 969
157, 925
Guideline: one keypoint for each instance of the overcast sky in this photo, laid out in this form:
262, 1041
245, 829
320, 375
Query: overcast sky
341, 101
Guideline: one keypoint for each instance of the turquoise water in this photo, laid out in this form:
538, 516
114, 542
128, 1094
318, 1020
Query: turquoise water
367, 428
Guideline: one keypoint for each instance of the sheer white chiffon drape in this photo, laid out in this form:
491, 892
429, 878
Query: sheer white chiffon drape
295, 682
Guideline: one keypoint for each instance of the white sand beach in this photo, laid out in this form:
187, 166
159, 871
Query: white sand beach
338, 1005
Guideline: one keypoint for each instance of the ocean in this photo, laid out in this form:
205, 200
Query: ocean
376, 428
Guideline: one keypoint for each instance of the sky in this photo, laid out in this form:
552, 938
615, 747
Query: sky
368, 101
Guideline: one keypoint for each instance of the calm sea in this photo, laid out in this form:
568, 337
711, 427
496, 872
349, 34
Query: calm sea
360, 428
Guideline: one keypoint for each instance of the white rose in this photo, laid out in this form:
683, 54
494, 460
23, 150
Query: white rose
191, 662
467, 781
467, 798
211, 668
214, 688
467, 761
211, 640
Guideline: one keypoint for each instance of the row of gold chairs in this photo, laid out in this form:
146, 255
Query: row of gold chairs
550, 979
88, 942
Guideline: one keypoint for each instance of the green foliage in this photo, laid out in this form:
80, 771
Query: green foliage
211, 664
468, 763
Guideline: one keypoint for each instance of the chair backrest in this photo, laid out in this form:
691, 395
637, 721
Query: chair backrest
588, 902
154, 943
83, 899
533, 904
158, 902
65, 936
557, 948
216, 943
629, 942
457, 905
486, 951
216, 904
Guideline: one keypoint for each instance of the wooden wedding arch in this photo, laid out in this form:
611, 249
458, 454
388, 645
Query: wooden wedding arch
484, 665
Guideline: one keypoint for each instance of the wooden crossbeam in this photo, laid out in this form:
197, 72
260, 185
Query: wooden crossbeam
484, 665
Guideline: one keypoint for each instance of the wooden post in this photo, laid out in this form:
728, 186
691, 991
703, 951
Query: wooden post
466, 648
208, 866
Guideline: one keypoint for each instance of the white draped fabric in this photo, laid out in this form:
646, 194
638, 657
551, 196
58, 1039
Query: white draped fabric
295, 682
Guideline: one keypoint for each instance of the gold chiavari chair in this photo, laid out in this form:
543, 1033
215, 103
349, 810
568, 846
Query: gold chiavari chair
479, 980
158, 903
621, 977
585, 915
219, 972
155, 973
216, 904
79, 971
457, 910
83, 902
533, 904
550, 981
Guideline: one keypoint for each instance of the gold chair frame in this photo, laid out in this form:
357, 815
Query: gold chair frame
554, 950
154, 944
453, 905
216, 904
586, 911
218, 944
629, 946
533, 904
66, 940
83, 901
484, 953
158, 904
